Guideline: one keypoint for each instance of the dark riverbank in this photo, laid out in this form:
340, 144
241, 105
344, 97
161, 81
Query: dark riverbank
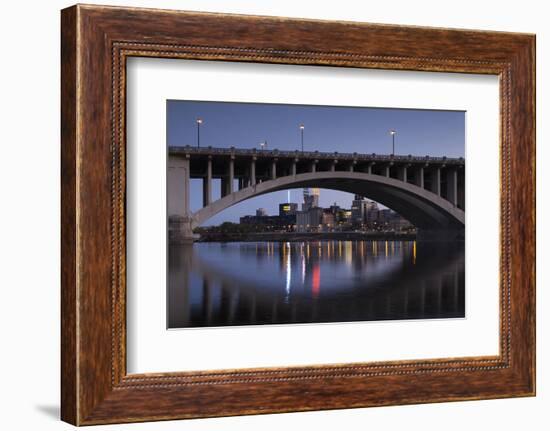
303, 236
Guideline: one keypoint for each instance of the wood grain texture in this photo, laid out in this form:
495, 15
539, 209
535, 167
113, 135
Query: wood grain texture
96, 41
69, 366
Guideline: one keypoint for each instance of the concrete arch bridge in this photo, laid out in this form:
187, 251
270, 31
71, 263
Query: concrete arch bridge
428, 191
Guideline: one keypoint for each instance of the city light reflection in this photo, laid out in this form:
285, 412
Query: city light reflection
316, 281
407, 280
288, 271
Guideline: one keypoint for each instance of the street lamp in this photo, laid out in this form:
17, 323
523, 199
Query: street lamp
199, 122
302, 135
263, 145
393, 133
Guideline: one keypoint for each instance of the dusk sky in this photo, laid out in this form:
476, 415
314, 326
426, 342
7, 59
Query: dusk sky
327, 128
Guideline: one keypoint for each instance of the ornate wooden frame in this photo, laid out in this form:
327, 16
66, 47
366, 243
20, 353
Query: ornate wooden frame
95, 43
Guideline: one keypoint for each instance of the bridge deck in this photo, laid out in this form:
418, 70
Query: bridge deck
314, 155
429, 191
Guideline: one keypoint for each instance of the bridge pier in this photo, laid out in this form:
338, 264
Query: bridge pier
253, 171
452, 190
402, 173
314, 166
436, 181
179, 214
207, 184
460, 189
228, 181
369, 167
274, 169
180, 230
419, 177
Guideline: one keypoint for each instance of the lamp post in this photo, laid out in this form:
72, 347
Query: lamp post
393, 133
302, 135
199, 122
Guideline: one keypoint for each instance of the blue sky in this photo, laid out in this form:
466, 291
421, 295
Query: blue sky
327, 128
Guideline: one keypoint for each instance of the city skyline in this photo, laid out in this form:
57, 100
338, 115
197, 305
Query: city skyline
321, 205
363, 216
326, 128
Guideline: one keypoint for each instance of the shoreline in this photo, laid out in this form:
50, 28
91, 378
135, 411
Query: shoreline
302, 236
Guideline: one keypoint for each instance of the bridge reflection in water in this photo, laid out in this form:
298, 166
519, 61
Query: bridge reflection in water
223, 284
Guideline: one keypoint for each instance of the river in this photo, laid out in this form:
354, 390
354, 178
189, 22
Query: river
256, 283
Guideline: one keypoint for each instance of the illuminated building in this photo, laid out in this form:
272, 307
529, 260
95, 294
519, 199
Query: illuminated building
358, 210
288, 209
311, 198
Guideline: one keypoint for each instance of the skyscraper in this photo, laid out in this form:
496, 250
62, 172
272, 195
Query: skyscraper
288, 209
311, 198
371, 215
358, 210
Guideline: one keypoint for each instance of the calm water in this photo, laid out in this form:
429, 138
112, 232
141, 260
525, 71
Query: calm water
220, 284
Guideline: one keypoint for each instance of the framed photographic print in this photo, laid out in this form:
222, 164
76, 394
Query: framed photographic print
321, 214
287, 235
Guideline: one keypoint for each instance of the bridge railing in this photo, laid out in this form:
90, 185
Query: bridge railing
232, 151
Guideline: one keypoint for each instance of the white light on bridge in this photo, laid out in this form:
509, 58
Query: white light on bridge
393, 133
199, 122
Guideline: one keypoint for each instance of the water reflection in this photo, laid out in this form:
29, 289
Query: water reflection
220, 284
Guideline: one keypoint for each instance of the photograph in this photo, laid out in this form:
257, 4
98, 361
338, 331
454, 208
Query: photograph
304, 214
251, 215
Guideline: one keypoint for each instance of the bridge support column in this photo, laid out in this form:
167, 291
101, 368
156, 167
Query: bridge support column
274, 169
419, 177
314, 166
460, 190
369, 168
231, 178
227, 182
436, 181
293, 167
253, 172
402, 173
452, 189
333, 166
179, 215
207, 184
386, 171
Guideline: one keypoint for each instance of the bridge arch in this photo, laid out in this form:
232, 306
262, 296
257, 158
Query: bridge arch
426, 210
